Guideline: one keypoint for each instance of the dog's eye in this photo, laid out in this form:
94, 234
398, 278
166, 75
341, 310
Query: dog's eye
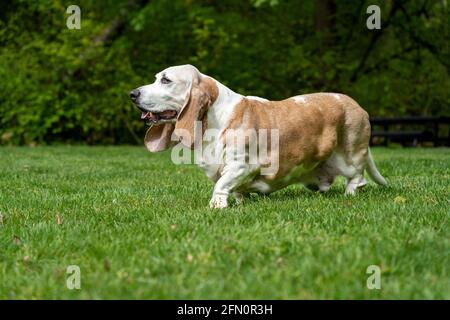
164, 80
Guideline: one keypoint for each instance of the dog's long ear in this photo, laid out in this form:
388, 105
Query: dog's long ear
157, 137
202, 95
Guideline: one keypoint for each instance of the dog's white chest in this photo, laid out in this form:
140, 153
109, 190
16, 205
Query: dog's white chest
209, 159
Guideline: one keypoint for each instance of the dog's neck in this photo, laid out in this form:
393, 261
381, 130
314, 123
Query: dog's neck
220, 111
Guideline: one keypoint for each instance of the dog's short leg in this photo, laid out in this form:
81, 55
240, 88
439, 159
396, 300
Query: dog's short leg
353, 184
218, 201
233, 175
362, 183
324, 187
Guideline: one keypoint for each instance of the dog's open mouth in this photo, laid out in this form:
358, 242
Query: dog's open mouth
153, 117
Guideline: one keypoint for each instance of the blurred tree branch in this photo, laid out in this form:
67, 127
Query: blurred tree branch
376, 36
409, 28
118, 24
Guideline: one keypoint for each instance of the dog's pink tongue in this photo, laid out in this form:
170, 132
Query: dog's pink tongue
145, 114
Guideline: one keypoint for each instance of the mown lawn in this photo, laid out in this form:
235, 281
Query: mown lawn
139, 226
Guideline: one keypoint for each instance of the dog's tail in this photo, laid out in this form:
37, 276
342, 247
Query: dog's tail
373, 172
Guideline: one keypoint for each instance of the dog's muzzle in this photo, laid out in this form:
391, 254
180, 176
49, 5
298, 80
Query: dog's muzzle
148, 116
134, 95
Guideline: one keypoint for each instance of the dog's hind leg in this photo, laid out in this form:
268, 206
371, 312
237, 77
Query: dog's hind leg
322, 178
353, 184
362, 182
320, 185
354, 172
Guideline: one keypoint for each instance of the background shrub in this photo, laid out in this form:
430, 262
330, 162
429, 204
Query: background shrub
71, 86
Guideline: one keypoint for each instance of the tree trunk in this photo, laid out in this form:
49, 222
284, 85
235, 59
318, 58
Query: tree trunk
325, 12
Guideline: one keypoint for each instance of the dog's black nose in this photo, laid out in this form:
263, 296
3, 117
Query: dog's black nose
134, 94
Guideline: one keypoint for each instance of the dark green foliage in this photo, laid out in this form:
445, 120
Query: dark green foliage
61, 85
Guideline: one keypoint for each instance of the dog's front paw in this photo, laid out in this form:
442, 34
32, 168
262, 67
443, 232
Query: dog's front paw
218, 201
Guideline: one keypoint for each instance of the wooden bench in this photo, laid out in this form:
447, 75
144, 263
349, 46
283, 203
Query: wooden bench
411, 131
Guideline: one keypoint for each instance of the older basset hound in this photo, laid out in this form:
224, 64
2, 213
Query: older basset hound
318, 136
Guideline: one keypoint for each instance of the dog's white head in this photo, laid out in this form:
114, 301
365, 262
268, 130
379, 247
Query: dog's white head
179, 96
163, 100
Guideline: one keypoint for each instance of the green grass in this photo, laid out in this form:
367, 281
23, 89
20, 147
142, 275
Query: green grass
139, 226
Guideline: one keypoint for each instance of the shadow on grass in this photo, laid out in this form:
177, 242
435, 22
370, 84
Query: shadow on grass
335, 193
294, 193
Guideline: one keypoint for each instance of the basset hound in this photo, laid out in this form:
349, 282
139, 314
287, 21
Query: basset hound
312, 138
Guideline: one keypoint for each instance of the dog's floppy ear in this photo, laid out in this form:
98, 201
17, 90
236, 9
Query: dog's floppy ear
157, 137
202, 95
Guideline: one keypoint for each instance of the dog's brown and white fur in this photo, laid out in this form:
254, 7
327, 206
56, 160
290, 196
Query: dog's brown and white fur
321, 135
